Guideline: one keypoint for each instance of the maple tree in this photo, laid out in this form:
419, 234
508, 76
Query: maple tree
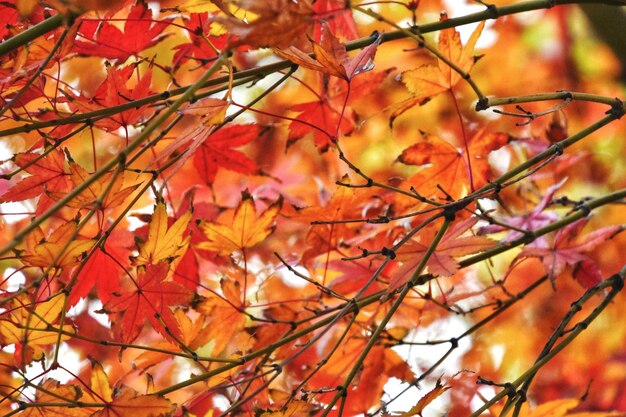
311, 208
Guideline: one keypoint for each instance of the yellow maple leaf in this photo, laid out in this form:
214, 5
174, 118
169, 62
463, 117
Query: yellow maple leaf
30, 327
61, 249
164, 244
123, 401
100, 386
245, 231
53, 392
108, 188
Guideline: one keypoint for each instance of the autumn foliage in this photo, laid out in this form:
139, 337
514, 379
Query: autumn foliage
310, 208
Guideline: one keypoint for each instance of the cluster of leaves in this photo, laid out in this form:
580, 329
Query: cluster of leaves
263, 207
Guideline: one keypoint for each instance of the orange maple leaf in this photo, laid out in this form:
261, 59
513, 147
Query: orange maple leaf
128, 403
423, 402
447, 166
331, 56
428, 80
295, 408
245, 231
556, 408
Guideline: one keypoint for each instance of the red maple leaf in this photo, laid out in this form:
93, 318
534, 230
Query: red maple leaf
47, 174
198, 49
151, 299
13, 95
217, 150
448, 166
338, 16
104, 269
113, 92
106, 40
8, 19
568, 247
323, 120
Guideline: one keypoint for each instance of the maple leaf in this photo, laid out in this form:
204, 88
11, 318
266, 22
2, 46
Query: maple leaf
8, 18
100, 385
295, 408
48, 173
164, 244
245, 231
379, 366
447, 165
103, 269
105, 40
211, 110
113, 92
199, 49
62, 249
26, 7
341, 20
151, 296
442, 261
331, 57
534, 219
28, 327
423, 402
195, 333
109, 183
352, 277
122, 401
217, 150
225, 330
559, 408
269, 23
10, 91
568, 247
53, 392
128, 403
213, 145
429, 80
322, 119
